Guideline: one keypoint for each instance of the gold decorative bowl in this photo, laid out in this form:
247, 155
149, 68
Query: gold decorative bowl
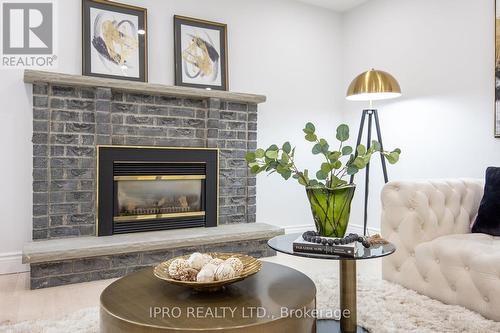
251, 266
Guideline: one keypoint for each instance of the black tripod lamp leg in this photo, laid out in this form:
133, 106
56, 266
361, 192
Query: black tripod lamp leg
379, 137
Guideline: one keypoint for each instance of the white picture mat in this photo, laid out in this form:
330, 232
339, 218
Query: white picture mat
186, 32
97, 65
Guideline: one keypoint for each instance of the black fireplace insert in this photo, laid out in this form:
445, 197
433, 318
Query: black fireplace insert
155, 188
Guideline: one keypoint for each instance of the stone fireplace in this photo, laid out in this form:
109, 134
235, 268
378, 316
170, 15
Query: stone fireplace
152, 167
71, 121
152, 188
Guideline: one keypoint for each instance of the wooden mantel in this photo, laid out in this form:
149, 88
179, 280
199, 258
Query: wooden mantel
34, 76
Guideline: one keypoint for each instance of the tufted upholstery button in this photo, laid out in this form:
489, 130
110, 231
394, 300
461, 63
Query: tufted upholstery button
398, 268
425, 279
452, 287
412, 254
486, 299
437, 261
467, 268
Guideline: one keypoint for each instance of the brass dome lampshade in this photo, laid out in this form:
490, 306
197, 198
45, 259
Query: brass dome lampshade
372, 85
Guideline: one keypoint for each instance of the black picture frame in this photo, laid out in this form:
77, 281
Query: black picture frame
87, 44
179, 21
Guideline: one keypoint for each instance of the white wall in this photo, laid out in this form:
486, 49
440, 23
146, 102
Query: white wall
286, 50
442, 54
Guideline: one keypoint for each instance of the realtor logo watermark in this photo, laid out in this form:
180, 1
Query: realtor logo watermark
28, 34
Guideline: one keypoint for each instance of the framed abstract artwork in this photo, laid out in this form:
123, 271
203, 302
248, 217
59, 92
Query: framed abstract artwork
497, 68
114, 38
200, 53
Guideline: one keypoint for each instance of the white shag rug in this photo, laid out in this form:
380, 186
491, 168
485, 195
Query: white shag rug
383, 307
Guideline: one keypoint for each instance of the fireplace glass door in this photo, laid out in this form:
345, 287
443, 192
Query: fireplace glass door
154, 197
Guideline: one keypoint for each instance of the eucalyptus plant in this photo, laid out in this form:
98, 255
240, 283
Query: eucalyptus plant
338, 164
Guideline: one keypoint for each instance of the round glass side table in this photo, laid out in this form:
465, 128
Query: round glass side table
347, 276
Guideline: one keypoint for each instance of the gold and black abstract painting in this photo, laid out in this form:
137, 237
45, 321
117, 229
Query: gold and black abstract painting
200, 53
114, 40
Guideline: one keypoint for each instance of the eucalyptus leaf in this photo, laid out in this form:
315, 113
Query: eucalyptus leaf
287, 148
316, 149
343, 133
259, 153
359, 162
250, 156
311, 137
351, 170
376, 145
272, 154
347, 150
334, 155
255, 169
337, 165
309, 128
361, 150
286, 174
392, 157
326, 167
321, 175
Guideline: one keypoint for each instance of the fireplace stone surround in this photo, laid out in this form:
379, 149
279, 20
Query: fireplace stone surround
73, 114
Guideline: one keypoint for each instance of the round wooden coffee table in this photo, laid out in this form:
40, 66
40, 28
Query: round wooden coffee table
276, 299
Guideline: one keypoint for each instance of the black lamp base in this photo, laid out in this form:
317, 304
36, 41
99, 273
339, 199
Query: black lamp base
372, 115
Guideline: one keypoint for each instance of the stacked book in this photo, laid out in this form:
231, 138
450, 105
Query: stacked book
301, 245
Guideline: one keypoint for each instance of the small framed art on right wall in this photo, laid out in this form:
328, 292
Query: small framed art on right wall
200, 53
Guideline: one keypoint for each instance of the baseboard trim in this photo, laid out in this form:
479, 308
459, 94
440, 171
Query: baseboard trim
291, 229
358, 229
11, 262
354, 228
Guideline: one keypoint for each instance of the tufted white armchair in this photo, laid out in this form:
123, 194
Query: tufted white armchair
429, 222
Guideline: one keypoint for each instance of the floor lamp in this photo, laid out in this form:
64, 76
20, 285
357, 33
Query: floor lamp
372, 85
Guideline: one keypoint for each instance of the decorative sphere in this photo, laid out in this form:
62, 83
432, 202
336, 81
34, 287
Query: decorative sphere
236, 264
224, 272
188, 274
198, 260
176, 268
207, 273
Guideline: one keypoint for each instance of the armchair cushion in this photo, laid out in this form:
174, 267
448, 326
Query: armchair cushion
488, 216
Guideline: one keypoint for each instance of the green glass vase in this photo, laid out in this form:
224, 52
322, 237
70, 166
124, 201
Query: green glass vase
331, 208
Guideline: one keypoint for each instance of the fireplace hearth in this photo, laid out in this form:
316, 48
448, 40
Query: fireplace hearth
156, 188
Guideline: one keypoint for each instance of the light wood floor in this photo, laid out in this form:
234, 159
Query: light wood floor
18, 303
